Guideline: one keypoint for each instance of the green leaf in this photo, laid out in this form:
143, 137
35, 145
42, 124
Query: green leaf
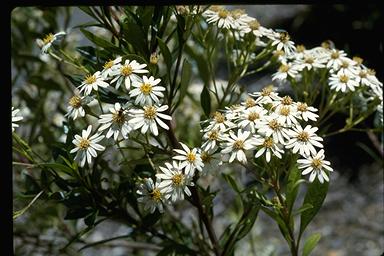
228, 178
292, 187
17, 214
303, 208
166, 53
311, 243
90, 219
185, 78
100, 41
315, 196
205, 100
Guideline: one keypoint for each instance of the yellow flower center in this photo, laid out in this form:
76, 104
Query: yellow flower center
268, 143
48, 38
254, 25
177, 179
358, 60
344, 64
237, 13
273, 124
286, 100
283, 68
213, 135
205, 157
191, 157
90, 79
150, 112
84, 144
145, 89
253, 116
155, 195
284, 111
284, 37
335, 55
371, 72
119, 117
266, 91
250, 102
75, 101
278, 53
300, 48
326, 45
309, 60
363, 74
219, 118
302, 107
126, 70
343, 79
108, 64
223, 13
303, 136
239, 144
316, 163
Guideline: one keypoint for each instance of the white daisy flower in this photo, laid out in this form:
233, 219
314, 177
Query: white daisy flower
75, 106
250, 117
220, 122
283, 41
86, 147
117, 122
309, 62
127, 73
237, 145
335, 59
240, 18
342, 82
285, 70
146, 91
303, 141
174, 182
305, 112
267, 95
267, 145
48, 40
189, 159
271, 126
211, 139
93, 82
349, 67
109, 68
316, 165
15, 118
148, 118
221, 16
252, 26
248, 103
151, 196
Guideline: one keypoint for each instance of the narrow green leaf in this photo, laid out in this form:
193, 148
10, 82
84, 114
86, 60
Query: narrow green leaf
315, 196
166, 53
292, 188
228, 178
17, 214
303, 208
205, 100
185, 78
311, 243
100, 41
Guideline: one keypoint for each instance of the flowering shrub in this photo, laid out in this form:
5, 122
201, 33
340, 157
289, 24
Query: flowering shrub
130, 149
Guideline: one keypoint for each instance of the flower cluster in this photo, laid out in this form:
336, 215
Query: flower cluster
267, 125
344, 75
142, 111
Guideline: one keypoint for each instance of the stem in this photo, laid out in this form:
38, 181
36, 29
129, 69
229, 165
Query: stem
286, 218
196, 199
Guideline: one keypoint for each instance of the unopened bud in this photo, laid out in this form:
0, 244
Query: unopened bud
154, 58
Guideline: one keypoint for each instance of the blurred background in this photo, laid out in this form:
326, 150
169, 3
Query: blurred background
351, 219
